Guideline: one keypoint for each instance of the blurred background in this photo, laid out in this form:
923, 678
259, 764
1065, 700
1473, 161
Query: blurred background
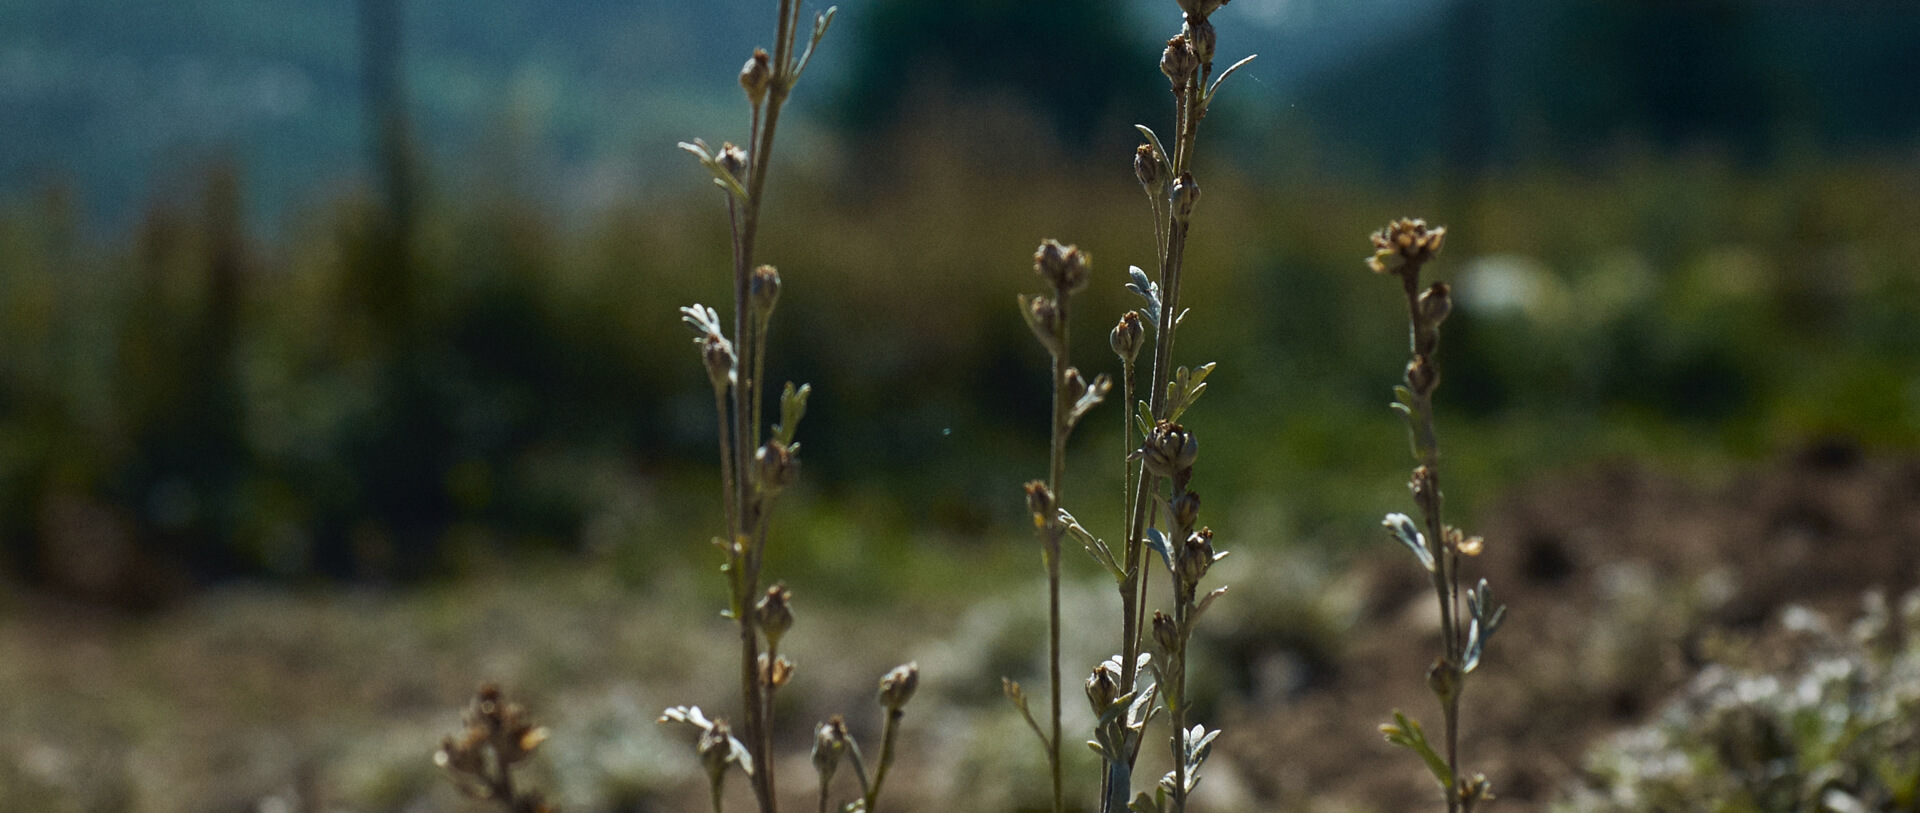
340, 369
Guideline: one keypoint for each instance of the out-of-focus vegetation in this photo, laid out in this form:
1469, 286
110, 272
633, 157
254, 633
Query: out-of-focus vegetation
190, 403
1834, 724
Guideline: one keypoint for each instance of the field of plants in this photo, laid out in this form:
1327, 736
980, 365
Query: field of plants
413, 494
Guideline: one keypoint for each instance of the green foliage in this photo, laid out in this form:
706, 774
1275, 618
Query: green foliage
552, 404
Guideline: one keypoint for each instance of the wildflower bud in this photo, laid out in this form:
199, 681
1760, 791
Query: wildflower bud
1422, 376
829, 745
1405, 245
1040, 504
1443, 678
1165, 632
1186, 193
1043, 316
1470, 546
1422, 486
897, 686
775, 467
716, 749
1063, 267
774, 612
1102, 688
1169, 450
756, 75
733, 160
717, 354
1200, 33
763, 290
1075, 385
775, 673
1146, 167
1435, 304
464, 754
1185, 509
504, 726
1201, 9
1179, 63
1196, 557
1127, 336
1474, 790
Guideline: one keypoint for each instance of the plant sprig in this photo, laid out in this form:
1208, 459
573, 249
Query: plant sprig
1403, 249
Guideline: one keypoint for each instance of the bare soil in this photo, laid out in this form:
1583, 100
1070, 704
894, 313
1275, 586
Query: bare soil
1621, 583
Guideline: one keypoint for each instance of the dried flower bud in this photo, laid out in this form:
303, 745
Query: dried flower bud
829, 745
1200, 33
1179, 63
1165, 632
1043, 316
1422, 376
1146, 167
1470, 546
1443, 678
1186, 193
716, 749
1170, 450
504, 726
775, 467
734, 161
1127, 336
465, 754
763, 290
1075, 385
1102, 688
1201, 9
1040, 504
1460, 543
1405, 245
1422, 485
1196, 557
774, 612
1064, 267
756, 76
717, 355
897, 686
1185, 508
1435, 304
1474, 790
776, 673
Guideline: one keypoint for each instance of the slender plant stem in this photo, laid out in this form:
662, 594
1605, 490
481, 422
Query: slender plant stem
749, 343
1129, 600
1056, 476
1446, 580
750, 689
888, 731
726, 466
1178, 709
1172, 254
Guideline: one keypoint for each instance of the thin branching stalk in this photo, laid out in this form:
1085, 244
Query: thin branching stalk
1065, 269
1403, 248
753, 469
1167, 177
1056, 475
887, 740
